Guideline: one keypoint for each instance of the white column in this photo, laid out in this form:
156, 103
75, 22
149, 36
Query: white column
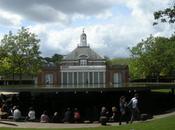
83, 77
72, 77
98, 77
104, 77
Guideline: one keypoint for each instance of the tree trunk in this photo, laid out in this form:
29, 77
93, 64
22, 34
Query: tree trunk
157, 77
13, 76
20, 77
20, 74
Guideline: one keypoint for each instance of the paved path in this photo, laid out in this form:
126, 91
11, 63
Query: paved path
64, 125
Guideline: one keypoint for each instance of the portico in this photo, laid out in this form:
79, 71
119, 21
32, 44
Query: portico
83, 74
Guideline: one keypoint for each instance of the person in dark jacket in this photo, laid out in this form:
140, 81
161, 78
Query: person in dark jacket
104, 116
55, 118
123, 110
67, 116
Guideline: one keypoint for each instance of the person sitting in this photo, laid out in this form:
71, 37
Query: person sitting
103, 116
113, 118
67, 116
44, 117
17, 114
55, 118
76, 115
3, 112
31, 114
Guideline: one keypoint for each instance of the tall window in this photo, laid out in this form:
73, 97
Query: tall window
49, 78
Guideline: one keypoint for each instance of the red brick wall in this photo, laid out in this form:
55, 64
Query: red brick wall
109, 74
54, 71
112, 69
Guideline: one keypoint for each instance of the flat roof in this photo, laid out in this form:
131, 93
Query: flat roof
87, 88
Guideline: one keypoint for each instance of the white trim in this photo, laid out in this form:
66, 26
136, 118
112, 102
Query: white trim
93, 67
72, 77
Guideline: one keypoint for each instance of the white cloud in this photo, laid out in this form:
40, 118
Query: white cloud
107, 40
107, 33
104, 15
46, 11
7, 18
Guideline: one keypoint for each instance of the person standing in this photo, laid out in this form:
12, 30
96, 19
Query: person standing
123, 110
133, 105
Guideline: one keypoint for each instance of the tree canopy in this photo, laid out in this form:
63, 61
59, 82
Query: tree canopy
153, 57
56, 59
19, 54
166, 15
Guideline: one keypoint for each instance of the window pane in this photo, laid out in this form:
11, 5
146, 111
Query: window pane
80, 79
95, 77
101, 78
90, 77
75, 77
86, 77
64, 78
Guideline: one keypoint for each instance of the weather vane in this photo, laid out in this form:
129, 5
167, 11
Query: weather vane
83, 30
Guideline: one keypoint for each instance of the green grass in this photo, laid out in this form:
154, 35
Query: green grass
162, 90
167, 123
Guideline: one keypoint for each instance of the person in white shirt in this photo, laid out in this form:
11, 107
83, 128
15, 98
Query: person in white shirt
31, 114
17, 114
135, 112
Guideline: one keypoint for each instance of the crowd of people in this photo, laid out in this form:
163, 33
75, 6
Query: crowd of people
125, 112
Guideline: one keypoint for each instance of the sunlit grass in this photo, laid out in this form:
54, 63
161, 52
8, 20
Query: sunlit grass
167, 123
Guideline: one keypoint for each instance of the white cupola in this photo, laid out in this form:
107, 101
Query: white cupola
83, 39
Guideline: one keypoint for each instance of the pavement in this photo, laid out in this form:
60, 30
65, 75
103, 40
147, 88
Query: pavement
12, 124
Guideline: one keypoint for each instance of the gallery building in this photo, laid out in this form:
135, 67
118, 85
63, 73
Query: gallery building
83, 66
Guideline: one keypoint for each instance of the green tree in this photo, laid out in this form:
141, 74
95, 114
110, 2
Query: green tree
166, 15
6, 65
22, 50
153, 57
56, 59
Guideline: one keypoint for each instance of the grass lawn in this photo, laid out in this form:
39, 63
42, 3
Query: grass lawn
167, 123
162, 90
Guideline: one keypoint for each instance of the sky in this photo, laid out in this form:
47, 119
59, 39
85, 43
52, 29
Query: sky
111, 26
